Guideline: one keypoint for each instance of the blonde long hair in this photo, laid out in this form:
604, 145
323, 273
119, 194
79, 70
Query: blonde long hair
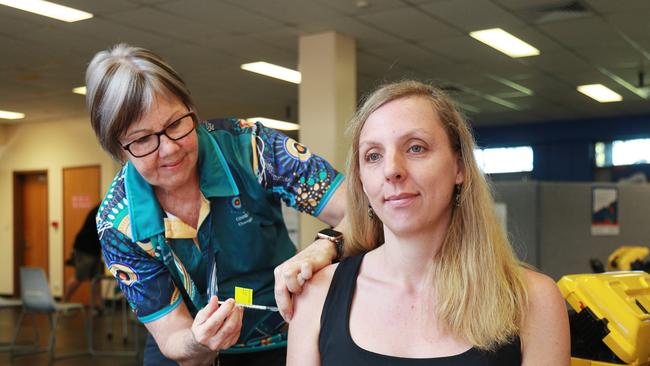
480, 283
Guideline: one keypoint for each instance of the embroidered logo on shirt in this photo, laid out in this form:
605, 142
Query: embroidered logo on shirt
235, 202
242, 217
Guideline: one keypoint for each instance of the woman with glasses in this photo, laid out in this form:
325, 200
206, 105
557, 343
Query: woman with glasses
196, 211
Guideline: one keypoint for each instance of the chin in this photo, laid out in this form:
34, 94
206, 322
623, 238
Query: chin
405, 227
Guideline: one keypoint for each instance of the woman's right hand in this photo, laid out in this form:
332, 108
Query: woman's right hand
217, 327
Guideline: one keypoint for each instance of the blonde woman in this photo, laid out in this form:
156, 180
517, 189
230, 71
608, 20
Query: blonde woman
431, 278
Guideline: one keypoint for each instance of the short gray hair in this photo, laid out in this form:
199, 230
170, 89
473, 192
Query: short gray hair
121, 85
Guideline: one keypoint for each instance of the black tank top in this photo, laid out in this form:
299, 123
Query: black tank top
337, 347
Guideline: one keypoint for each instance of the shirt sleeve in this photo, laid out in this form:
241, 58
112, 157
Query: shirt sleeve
145, 282
302, 180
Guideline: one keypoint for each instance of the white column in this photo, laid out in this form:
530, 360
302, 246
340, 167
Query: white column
327, 99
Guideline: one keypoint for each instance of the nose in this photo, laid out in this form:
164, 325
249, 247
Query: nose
394, 169
167, 146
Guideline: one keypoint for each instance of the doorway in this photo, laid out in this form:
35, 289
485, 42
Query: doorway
81, 192
31, 242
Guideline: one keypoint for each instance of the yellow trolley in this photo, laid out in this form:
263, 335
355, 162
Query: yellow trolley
610, 324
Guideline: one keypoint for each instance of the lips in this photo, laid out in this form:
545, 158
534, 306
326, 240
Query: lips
172, 164
401, 199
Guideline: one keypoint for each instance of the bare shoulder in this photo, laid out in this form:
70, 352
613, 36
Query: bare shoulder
541, 288
545, 331
304, 327
315, 290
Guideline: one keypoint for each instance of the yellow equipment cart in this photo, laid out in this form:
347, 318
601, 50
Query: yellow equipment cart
627, 258
610, 324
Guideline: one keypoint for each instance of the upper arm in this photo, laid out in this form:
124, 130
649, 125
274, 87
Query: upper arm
545, 332
145, 281
301, 179
304, 328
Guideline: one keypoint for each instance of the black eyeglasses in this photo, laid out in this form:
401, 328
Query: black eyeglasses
176, 130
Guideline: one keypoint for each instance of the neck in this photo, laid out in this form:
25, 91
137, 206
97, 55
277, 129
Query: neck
186, 193
409, 258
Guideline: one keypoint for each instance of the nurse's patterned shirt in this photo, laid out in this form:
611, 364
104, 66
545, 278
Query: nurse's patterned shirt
246, 171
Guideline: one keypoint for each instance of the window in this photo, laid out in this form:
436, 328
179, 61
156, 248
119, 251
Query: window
505, 159
622, 152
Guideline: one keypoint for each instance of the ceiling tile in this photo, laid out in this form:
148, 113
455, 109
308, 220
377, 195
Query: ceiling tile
98, 7
351, 8
287, 11
582, 33
609, 7
471, 15
222, 16
410, 24
411, 56
164, 24
114, 33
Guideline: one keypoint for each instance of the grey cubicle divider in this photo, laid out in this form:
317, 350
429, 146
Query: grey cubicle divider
520, 199
552, 221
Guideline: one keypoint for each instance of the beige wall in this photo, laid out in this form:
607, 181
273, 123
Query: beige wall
49, 146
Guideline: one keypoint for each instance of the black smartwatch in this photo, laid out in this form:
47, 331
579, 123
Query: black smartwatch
335, 237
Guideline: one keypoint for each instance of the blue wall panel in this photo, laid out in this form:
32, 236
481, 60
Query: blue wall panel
563, 150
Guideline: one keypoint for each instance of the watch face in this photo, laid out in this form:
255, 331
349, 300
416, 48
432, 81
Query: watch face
330, 233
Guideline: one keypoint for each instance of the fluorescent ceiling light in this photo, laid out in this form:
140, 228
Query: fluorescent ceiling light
48, 9
79, 90
505, 42
600, 93
11, 115
276, 124
273, 71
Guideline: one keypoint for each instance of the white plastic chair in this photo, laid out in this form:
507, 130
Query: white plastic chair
37, 299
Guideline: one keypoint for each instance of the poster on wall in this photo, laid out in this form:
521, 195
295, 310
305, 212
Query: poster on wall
604, 211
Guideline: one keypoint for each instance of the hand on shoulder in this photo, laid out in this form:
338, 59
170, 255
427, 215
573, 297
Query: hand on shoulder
315, 290
304, 328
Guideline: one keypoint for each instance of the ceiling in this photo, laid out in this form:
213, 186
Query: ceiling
581, 42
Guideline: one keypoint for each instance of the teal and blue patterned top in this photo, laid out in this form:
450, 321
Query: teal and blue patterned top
246, 171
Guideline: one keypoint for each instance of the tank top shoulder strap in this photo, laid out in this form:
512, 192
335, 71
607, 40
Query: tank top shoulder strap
335, 317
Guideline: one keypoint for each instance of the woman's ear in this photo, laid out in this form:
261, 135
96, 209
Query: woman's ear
460, 170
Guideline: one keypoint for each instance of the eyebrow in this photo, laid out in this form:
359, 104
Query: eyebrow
166, 124
409, 135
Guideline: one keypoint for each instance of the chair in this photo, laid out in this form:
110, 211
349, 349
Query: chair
96, 285
9, 304
37, 299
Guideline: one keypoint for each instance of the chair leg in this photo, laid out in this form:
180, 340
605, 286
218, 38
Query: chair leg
125, 325
52, 343
37, 340
16, 332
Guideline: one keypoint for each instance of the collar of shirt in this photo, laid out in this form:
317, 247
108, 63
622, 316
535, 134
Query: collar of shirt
146, 215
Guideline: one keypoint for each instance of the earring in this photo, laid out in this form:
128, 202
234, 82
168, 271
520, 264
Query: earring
371, 213
457, 188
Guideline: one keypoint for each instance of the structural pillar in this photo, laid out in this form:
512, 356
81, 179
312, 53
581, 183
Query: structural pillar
327, 99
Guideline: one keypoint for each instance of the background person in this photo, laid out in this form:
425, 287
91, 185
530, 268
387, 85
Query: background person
433, 279
196, 210
86, 259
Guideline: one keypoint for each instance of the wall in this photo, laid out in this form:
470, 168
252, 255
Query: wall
49, 146
521, 202
556, 221
563, 150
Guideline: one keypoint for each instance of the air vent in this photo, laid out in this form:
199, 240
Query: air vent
561, 11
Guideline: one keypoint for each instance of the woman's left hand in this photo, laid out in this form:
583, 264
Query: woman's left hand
291, 275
